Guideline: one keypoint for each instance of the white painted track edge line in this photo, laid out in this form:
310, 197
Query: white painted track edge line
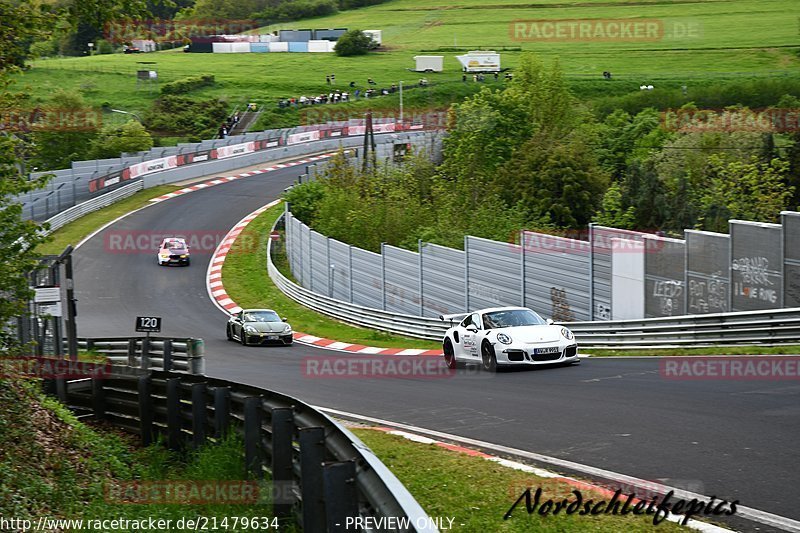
755, 515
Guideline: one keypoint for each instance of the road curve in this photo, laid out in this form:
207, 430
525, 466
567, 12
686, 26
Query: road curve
738, 440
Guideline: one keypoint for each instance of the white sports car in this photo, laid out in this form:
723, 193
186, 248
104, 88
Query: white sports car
506, 336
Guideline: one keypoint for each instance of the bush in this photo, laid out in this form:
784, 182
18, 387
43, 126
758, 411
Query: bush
181, 115
353, 43
186, 85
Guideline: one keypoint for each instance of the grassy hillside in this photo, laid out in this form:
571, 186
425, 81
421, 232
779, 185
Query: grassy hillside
731, 40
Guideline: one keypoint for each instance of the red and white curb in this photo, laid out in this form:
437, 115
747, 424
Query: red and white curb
220, 181
218, 295
542, 473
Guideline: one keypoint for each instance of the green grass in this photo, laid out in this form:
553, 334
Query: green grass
56, 466
477, 492
706, 350
246, 281
76, 231
738, 39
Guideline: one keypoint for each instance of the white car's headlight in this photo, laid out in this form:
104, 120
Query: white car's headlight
503, 338
164, 256
567, 334
250, 329
287, 329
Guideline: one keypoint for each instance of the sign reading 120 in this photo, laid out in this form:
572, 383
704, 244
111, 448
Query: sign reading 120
149, 324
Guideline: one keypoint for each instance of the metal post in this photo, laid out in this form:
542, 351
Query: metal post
341, 497
198, 414
281, 463
331, 268
72, 327
466, 273
131, 352
253, 461
98, 399
591, 271
144, 387
312, 455
174, 423
144, 362
522, 266
167, 354
350, 260
222, 411
383, 276
401, 101
421, 286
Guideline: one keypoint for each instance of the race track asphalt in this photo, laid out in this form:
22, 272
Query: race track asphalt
732, 439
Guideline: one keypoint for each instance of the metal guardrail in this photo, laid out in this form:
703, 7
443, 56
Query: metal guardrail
319, 471
768, 328
84, 208
150, 352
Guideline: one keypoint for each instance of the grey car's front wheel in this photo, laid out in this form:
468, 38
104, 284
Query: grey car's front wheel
243, 337
228, 333
488, 358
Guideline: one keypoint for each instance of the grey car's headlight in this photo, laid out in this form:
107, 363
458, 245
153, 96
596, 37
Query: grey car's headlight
502, 337
567, 334
287, 329
250, 329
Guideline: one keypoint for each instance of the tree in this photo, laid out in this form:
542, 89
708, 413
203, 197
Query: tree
555, 179
21, 23
65, 132
115, 140
750, 190
353, 43
613, 213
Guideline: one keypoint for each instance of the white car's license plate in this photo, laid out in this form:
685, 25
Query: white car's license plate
272, 337
551, 349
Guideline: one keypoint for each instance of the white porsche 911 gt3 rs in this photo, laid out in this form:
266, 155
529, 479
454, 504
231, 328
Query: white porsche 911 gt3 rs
506, 336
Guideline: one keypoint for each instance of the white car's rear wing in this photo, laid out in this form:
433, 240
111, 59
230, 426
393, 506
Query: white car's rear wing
458, 317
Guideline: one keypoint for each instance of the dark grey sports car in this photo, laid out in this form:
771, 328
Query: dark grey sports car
259, 326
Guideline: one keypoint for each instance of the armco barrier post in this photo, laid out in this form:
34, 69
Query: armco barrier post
281, 460
144, 387
198, 414
341, 497
253, 459
131, 352
195, 348
312, 455
98, 399
174, 424
145, 360
167, 354
222, 411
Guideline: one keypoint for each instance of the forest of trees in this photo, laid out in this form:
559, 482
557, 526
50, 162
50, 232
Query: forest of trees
532, 156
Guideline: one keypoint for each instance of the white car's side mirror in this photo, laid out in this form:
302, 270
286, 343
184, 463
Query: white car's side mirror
550, 322
473, 329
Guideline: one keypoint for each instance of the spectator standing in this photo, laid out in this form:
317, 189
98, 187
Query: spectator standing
333, 78
328, 80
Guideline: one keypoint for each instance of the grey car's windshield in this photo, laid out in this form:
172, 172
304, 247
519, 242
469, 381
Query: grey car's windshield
512, 318
262, 316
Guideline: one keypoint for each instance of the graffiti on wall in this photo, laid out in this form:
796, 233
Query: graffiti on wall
667, 294
560, 305
754, 279
709, 296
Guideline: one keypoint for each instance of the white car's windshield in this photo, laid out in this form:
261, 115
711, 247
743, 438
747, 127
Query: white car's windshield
262, 316
513, 318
